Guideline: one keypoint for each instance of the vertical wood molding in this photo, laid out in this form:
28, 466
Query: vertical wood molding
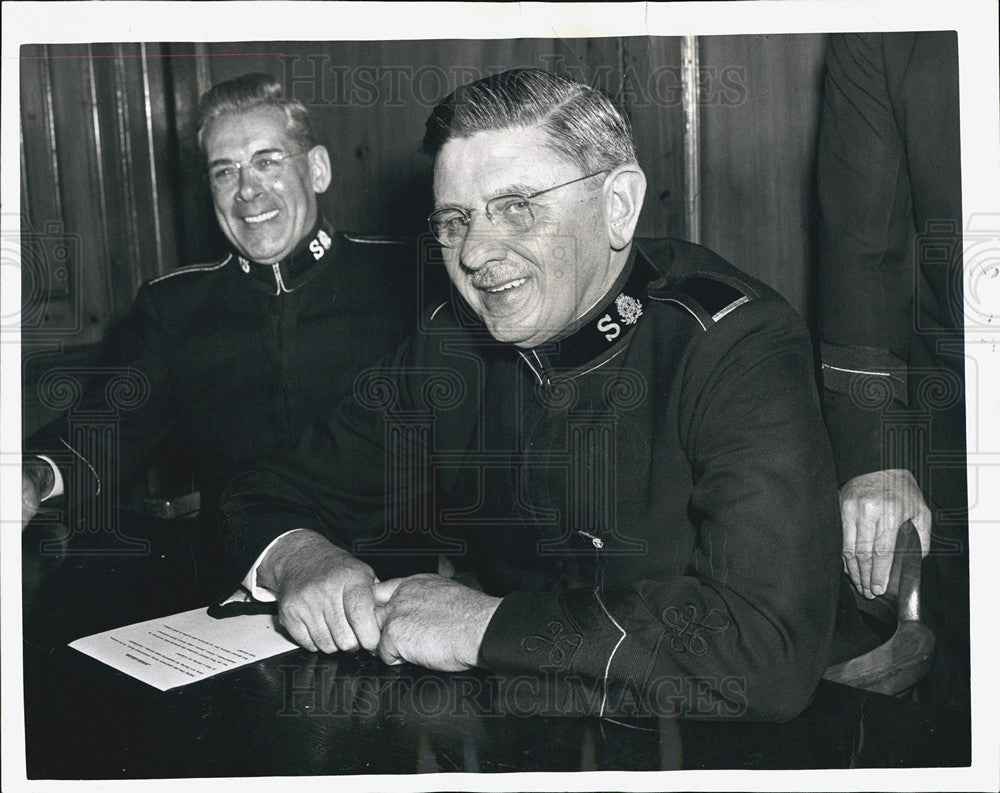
151, 154
202, 75
126, 171
25, 219
97, 156
692, 149
50, 129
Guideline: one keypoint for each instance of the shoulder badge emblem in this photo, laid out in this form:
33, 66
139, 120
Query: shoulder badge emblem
629, 309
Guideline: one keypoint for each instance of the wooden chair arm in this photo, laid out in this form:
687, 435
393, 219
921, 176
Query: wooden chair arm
907, 558
902, 661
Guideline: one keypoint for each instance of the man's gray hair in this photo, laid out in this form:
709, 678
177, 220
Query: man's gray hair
582, 123
248, 92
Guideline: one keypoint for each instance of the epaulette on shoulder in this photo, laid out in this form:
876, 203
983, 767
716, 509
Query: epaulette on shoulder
708, 297
193, 268
375, 239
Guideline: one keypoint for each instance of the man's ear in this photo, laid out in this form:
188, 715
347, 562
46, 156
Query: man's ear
624, 191
319, 168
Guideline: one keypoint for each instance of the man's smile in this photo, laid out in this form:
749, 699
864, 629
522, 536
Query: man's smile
498, 278
504, 287
263, 216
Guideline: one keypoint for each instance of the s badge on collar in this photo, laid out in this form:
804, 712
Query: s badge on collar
629, 310
320, 244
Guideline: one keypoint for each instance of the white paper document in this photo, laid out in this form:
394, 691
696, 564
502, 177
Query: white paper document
184, 648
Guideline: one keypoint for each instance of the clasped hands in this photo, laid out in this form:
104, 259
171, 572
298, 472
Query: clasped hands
330, 601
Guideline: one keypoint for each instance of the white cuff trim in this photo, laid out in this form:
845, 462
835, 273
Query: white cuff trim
250, 581
59, 487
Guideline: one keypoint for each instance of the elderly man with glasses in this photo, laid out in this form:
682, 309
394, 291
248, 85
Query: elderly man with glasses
231, 356
633, 486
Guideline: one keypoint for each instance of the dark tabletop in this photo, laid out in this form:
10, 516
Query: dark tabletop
306, 713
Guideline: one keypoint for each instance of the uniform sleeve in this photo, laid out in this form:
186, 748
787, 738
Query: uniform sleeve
866, 270
332, 480
119, 411
746, 632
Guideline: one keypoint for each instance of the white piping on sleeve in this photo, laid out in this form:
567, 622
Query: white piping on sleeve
87, 462
856, 371
607, 668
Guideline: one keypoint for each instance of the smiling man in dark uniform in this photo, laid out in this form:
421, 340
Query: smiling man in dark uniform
228, 357
633, 482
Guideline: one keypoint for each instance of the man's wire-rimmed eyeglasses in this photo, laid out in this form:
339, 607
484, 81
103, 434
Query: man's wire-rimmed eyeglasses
511, 211
225, 174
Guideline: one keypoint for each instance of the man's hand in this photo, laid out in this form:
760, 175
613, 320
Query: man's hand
325, 598
432, 621
37, 482
872, 507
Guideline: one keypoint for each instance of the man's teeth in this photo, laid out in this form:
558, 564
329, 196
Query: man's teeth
509, 285
261, 217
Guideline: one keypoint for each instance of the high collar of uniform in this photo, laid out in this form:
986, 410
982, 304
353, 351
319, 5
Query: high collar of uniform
305, 261
609, 323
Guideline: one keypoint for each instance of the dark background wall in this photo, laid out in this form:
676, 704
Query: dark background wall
113, 193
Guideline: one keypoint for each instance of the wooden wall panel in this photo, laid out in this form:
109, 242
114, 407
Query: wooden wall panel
185, 78
81, 188
40, 196
122, 179
46, 286
161, 156
93, 225
39, 169
757, 156
651, 92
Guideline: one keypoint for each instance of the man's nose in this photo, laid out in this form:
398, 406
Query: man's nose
249, 187
483, 243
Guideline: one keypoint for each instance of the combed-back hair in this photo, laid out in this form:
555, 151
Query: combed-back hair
250, 91
582, 123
